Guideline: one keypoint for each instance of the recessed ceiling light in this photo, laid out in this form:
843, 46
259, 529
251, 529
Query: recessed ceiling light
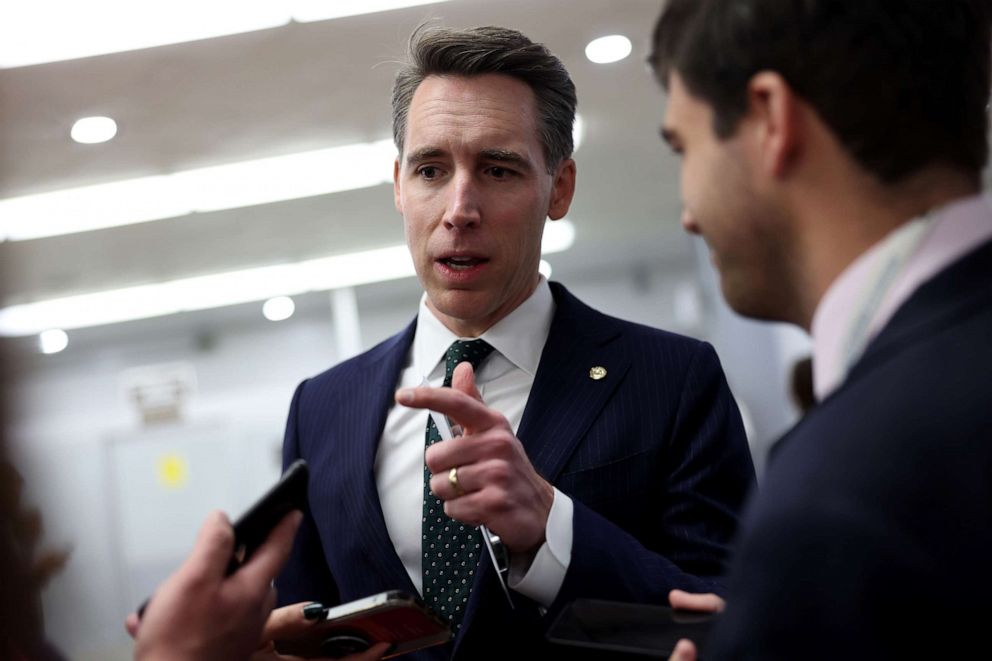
278, 308
604, 50
91, 130
52, 340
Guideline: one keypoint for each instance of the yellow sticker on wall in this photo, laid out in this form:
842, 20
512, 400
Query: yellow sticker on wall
173, 471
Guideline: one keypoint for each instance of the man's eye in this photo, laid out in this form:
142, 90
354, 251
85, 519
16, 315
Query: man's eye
499, 173
428, 172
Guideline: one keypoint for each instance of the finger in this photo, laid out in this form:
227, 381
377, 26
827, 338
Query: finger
265, 563
131, 624
269, 603
684, 651
213, 547
467, 480
704, 603
287, 622
463, 380
462, 452
469, 412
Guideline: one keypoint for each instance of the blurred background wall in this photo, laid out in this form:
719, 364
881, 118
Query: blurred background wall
148, 387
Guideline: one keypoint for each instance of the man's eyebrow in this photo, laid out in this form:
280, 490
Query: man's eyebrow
423, 154
506, 156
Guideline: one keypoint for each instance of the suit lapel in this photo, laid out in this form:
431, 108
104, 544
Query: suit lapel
371, 398
566, 397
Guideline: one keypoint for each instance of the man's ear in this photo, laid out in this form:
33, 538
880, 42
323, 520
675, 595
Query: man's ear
396, 186
776, 115
562, 189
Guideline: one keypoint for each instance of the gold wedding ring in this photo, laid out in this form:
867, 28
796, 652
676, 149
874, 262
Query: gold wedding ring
453, 480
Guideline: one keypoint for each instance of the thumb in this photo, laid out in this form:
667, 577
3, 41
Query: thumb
463, 380
213, 548
268, 559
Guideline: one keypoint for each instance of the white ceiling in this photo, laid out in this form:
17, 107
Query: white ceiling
303, 87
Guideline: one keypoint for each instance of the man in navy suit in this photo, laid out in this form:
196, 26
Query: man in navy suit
608, 457
831, 158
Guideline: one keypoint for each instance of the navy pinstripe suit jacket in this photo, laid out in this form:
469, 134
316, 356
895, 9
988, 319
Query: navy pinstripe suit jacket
872, 534
654, 457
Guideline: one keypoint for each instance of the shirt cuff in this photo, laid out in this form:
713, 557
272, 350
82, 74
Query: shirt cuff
539, 576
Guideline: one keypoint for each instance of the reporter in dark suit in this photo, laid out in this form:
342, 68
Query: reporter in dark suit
831, 158
609, 457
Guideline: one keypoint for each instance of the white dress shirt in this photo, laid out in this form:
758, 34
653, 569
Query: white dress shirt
868, 292
504, 380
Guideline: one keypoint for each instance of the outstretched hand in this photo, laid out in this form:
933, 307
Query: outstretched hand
198, 612
497, 484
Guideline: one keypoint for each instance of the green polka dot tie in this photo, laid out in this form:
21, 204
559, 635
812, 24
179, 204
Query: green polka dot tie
451, 550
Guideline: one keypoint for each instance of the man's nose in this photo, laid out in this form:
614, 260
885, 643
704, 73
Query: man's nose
689, 222
464, 209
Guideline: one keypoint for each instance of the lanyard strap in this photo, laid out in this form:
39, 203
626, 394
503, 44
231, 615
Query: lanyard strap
898, 250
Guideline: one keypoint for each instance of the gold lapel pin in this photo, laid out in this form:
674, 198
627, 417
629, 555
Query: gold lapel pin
597, 373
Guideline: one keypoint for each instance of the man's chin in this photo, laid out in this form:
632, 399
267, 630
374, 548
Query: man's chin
750, 302
466, 308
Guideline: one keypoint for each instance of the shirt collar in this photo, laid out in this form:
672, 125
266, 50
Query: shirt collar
957, 228
519, 336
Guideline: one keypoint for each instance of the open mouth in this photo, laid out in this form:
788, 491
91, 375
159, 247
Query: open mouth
460, 263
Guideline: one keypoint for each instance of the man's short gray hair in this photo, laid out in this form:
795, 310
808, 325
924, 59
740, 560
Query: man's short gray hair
476, 51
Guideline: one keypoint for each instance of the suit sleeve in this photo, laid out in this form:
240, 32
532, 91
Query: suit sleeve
305, 577
702, 481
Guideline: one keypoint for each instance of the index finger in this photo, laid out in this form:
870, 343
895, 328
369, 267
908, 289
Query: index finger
701, 602
286, 622
467, 411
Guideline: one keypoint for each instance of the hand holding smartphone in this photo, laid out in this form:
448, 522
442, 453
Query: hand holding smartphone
393, 617
253, 527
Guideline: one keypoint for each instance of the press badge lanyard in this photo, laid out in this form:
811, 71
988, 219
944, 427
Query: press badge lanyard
901, 246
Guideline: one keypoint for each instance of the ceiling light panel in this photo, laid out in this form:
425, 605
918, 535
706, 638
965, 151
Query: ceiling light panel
305, 11
52, 30
39, 31
228, 186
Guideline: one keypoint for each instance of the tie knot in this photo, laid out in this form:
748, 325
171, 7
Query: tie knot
473, 351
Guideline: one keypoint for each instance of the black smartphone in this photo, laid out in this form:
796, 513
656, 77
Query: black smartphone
393, 617
627, 630
253, 527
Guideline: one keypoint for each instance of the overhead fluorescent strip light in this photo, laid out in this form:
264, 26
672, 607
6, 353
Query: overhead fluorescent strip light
40, 31
306, 11
230, 288
229, 186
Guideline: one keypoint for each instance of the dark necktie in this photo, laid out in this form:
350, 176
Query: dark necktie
451, 549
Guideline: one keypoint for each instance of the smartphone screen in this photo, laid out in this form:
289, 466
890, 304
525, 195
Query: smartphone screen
636, 629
